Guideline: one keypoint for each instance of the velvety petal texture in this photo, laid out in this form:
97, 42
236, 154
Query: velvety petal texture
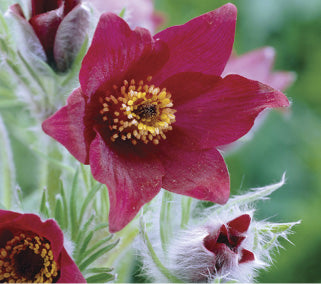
108, 60
67, 126
18, 225
226, 112
132, 180
199, 174
203, 44
152, 110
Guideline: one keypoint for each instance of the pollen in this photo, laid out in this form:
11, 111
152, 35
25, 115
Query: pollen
27, 257
138, 112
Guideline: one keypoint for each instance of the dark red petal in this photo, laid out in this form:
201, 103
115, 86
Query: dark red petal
43, 6
241, 223
132, 179
45, 26
31, 222
69, 272
246, 256
67, 127
17, 10
199, 174
203, 44
114, 50
210, 241
69, 5
187, 86
225, 113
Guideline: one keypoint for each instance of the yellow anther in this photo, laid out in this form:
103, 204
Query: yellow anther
4, 253
143, 114
162, 95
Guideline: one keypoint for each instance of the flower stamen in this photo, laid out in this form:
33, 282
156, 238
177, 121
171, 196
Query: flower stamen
138, 112
26, 257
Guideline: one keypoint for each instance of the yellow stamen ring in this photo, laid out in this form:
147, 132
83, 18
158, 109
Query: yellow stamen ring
139, 112
27, 257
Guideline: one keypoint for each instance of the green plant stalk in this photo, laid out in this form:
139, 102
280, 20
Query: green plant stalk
156, 260
165, 218
126, 236
186, 210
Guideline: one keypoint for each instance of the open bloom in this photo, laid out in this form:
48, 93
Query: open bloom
151, 111
257, 65
212, 251
33, 251
59, 25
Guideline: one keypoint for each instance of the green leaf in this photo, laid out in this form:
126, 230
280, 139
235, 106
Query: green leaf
44, 206
100, 278
96, 255
98, 270
278, 228
73, 207
64, 203
255, 195
86, 242
84, 230
87, 200
59, 212
98, 244
122, 13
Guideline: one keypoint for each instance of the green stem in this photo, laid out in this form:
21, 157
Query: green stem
165, 219
126, 236
186, 210
156, 260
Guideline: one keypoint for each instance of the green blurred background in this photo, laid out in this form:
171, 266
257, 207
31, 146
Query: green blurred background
284, 143
288, 143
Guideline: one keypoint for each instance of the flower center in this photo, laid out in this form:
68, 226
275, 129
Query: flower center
138, 112
26, 257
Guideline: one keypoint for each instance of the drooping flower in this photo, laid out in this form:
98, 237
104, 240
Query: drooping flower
33, 251
139, 13
222, 243
257, 65
57, 27
151, 111
213, 250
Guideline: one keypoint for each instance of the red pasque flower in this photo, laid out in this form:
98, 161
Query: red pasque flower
257, 65
60, 26
226, 244
33, 251
151, 111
